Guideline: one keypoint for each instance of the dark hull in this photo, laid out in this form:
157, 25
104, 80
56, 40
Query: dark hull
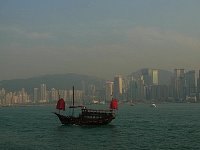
82, 120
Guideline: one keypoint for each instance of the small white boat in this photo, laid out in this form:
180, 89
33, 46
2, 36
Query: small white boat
153, 105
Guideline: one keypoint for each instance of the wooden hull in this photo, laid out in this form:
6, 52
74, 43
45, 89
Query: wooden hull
83, 120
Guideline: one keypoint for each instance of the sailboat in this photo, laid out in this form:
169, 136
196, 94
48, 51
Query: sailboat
86, 116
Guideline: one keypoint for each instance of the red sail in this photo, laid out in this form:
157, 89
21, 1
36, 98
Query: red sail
114, 104
61, 104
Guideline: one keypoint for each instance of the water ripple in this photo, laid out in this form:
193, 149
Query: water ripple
169, 126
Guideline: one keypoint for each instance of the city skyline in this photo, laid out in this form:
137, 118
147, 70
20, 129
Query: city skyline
48, 37
144, 86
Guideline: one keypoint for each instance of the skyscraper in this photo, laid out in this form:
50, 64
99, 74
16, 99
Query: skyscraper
147, 76
2, 96
133, 90
179, 84
43, 93
118, 87
198, 87
190, 83
54, 95
109, 91
155, 76
35, 95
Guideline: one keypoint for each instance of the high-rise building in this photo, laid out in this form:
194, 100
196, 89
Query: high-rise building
155, 76
179, 73
118, 87
133, 90
35, 95
190, 83
150, 79
179, 84
198, 87
25, 96
53, 95
158, 92
43, 93
150, 76
147, 76
109, 91
2, 96
140, 88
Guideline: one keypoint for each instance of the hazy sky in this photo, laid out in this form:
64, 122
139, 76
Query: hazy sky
97, 37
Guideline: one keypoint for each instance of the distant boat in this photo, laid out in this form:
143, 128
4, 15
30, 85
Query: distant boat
86, 116
153, 105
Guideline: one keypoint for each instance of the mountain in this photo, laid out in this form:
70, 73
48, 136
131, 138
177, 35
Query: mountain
59, 81
164, 75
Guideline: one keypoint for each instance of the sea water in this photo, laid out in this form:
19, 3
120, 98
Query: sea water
168, 126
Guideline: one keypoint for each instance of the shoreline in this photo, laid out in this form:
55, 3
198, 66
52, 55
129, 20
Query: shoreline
54, 104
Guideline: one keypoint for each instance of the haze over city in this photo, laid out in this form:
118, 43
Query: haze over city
100, 38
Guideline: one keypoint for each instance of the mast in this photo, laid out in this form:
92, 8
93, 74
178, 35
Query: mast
73, 95
73, 102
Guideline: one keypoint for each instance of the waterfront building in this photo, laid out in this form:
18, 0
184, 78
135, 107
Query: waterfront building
155, 77
132, 89
15, 98
140, 89
118, 87
179, 84
8, 98
190, 84
109, 91
147, 76
2, 96
35, 95
158, 92
150, 76
78, 97
136, 89
43, 93
53, 95
198, 87
24, 95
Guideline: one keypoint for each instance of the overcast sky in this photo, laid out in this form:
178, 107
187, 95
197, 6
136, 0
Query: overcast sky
97, 37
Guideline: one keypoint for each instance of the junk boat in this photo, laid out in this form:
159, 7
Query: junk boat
86, 116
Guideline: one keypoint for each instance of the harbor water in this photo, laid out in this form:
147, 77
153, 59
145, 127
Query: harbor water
140, 127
